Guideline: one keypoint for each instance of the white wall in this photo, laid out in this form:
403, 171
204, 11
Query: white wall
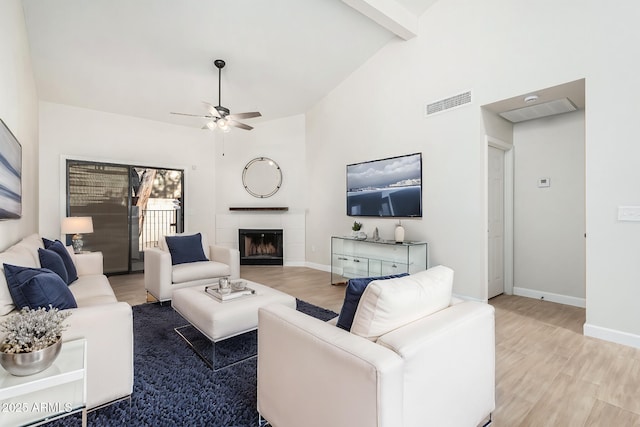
498, 49
549, 222
379, 111
612, 173
83, 134
281, 140
19, 111
213, 161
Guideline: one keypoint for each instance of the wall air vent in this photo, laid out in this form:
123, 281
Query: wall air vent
551, 108
448, 103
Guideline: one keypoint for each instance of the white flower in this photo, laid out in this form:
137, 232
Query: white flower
30, 330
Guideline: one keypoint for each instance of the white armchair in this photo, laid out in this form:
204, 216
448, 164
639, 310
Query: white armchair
438, 370
161, 278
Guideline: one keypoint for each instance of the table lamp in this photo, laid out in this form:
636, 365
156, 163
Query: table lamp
77, 225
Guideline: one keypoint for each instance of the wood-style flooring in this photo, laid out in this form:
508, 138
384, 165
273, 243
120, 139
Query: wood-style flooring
547, 372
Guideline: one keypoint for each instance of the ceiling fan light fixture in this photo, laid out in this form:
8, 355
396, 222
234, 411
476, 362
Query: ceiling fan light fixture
223, 125
220, 117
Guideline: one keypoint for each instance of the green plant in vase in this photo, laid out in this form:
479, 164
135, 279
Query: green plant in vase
357, 231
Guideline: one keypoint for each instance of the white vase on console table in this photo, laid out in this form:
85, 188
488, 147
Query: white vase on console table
399, 233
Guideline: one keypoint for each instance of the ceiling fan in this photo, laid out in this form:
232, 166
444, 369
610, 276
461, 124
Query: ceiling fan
218, 116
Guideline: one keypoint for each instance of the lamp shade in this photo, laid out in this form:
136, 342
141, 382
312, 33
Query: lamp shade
77, 225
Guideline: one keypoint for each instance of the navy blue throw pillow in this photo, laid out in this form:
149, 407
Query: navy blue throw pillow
352, 295
58, 247
51, 260
38, 287
185, 249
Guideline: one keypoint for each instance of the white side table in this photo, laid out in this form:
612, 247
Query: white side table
56, 392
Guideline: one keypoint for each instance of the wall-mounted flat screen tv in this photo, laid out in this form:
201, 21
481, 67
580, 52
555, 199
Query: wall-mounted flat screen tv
389, 187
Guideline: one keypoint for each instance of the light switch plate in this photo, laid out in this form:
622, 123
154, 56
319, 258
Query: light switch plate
628, 213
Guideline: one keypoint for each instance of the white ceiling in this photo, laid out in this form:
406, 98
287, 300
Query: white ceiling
146, 58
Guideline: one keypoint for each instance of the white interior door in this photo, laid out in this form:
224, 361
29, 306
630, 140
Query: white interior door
496, 221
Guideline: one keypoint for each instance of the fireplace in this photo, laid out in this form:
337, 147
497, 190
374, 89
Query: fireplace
260, 247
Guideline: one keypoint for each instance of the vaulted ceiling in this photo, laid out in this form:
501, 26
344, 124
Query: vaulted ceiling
146, 58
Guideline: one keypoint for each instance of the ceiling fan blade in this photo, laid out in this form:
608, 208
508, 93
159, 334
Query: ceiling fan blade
211, 109
239, 125
220, 116
192, 115
244, 115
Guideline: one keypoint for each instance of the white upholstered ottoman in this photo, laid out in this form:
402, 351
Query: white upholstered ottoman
221, 320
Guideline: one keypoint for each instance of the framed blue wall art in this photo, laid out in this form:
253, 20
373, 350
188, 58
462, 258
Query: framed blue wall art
10, 174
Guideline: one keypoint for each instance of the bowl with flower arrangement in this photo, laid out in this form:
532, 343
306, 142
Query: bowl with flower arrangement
32, 340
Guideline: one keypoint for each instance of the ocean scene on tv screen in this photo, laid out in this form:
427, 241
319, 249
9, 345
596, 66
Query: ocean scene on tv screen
388, 187
10, 175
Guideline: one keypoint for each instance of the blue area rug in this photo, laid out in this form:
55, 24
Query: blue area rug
174, 387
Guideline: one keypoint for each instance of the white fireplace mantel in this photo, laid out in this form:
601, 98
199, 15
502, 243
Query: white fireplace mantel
291, 223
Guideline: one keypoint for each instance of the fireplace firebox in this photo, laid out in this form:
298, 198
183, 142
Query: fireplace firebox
260, 246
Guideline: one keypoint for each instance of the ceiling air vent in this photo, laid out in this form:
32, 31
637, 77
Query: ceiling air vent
448, 103
551, 108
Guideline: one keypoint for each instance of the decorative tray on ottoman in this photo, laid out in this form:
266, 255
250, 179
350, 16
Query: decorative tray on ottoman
237, 289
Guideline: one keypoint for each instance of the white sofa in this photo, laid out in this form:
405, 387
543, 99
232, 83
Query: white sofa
106, 323
161, 278
438, 370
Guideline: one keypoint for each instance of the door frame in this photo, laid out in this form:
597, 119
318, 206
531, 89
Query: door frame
63, 195
62, 179
508, 149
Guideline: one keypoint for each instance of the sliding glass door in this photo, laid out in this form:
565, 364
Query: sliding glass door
131, 207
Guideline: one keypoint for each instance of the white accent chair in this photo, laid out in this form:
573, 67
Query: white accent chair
438, 370
161, 278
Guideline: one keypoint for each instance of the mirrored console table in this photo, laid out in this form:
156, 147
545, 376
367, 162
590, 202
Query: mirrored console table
351, 258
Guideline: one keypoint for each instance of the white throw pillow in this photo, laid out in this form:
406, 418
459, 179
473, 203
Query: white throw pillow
389, 304
32, 243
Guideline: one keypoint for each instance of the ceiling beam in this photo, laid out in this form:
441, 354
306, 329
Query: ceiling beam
389, 14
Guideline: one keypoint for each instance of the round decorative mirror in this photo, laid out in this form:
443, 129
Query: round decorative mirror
262, 177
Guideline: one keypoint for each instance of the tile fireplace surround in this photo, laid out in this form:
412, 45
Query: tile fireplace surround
292, 224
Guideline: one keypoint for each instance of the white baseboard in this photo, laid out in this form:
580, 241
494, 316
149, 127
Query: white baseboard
549, 296
612, 335
295, 264
320, 267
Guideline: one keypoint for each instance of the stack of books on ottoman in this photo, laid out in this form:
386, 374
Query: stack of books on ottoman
236, 289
